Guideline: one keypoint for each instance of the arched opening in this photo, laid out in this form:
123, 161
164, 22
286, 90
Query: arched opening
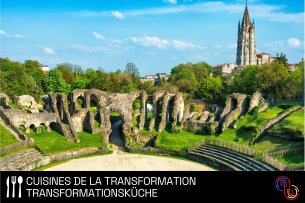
116, 136
80, 101
170, 111
233, 104
149, 112
42, 128
33, 128
22, 128
93, 103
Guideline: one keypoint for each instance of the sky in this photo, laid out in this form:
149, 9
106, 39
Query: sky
156, 35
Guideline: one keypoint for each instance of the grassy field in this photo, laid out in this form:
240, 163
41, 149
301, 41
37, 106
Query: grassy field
293, 124
176, 141
6, 138
290, 159
53, 142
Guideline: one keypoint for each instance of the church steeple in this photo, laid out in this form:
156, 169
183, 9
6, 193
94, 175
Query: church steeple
246, 17
246, 43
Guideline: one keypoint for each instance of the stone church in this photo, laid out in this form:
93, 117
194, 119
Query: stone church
246, 44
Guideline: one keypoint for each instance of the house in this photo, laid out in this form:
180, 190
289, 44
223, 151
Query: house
154, 78
226, 68
263, 58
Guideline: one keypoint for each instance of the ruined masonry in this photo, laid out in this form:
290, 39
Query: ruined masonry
90, 110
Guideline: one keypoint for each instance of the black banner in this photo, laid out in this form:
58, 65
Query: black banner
152, 186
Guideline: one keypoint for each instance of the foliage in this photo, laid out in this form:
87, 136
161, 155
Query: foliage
193, 107
210, 88
187, 76
55, 83
15, 80
132, 70
6, 138
136, 104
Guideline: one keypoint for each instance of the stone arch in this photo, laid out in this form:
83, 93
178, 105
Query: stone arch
80, 102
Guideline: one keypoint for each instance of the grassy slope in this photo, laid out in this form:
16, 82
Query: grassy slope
52, 142
294, 122
176, 141
291, 159
6, 138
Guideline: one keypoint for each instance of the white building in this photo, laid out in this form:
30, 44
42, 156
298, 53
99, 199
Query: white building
226, 68
154, 78
263, 58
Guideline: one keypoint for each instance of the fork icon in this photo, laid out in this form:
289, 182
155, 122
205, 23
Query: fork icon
14, 180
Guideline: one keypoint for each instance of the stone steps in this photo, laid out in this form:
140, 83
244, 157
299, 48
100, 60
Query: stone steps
227, 159
22, 160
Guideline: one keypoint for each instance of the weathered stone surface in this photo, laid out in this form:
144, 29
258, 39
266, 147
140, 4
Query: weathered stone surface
27, 102
19, 118
204, 116
178, 108
239, 110
186, 115
143, 110
162, 123
4, 100
257, 100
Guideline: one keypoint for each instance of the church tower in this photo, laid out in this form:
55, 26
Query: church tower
246, 45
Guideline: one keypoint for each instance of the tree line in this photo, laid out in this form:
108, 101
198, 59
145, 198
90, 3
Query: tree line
195, 81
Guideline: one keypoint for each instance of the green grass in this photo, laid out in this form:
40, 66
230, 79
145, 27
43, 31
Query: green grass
93, 109
14, 151
6, 138
248, 125
291, 158
114, 117
53, 142
176, 141
293, 124
13, 105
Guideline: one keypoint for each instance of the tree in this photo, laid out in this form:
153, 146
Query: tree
132, 70
281, 59
55, 82
272, 78
33, 68
67, 71
14, 79
210, 88
243, 81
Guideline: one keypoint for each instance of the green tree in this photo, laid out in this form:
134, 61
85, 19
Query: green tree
54, 82
210, 88
33, 68
282, 59
243, 81
67, 71
272, 78
132, 70
14, 79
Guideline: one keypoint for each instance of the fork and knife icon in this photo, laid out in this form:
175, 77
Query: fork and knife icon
14, 180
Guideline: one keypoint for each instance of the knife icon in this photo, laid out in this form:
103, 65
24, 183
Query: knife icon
8, 187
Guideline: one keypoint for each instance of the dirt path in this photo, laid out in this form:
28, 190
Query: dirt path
121, 161
116, 137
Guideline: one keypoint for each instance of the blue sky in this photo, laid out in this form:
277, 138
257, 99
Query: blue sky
154, 34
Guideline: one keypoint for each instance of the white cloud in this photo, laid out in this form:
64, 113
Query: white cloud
48, 50
294, 42
4, 34
217, 46
170, 1
274, 13
118, 15
153, 41
98, 36
148, 41
18, 36
184, 45
89, 49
